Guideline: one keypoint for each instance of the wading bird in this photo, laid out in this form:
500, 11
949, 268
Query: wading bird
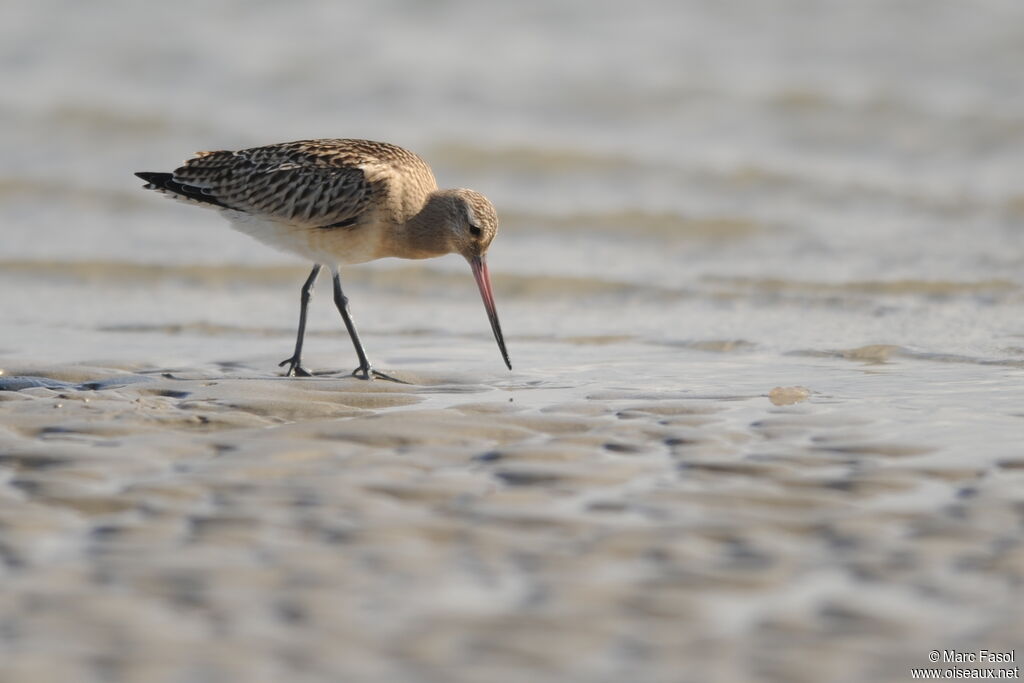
340, 202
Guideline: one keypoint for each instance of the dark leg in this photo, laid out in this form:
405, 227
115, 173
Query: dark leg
295, 362
364, 371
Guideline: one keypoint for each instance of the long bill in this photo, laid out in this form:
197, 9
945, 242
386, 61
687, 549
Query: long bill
483, 281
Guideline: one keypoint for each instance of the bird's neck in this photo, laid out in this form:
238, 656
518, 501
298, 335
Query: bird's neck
425, 234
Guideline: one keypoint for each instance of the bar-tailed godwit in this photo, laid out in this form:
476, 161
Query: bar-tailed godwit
340, 202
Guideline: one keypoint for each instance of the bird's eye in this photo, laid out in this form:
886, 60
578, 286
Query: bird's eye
475, 230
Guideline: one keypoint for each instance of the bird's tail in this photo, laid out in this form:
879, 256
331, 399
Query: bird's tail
166, 184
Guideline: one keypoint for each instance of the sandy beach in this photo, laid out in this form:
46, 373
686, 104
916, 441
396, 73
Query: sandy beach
760, 271
223, 524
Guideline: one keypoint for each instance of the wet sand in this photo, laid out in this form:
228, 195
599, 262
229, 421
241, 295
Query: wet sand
172, 524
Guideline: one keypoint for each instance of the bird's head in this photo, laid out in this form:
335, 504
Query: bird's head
465, 222
452, 222
471, 223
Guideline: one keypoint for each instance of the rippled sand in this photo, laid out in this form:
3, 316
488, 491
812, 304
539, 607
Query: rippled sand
210, 524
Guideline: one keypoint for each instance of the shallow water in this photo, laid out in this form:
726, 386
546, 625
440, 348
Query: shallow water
760, 274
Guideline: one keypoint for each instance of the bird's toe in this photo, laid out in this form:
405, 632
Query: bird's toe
294, 368
368, 373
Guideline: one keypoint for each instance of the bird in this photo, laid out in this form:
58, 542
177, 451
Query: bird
340, 202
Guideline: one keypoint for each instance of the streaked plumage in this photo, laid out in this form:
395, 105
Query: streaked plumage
339, 201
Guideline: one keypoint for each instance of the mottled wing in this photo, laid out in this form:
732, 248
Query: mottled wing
290, 183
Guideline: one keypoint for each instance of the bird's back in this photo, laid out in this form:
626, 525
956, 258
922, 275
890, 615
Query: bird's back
313, 183
330, 198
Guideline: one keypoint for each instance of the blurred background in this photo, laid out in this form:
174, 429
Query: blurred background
706, 170
705, 197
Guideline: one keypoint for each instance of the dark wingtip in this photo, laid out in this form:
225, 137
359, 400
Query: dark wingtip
154, 179
165, 182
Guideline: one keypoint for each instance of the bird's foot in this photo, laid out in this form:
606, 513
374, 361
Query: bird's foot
367, 372
295, 368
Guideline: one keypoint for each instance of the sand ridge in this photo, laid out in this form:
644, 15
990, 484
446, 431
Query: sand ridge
378, 529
